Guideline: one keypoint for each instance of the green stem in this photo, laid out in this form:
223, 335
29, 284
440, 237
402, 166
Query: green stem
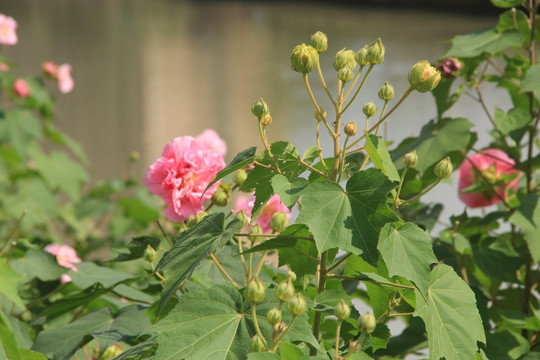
12, 233
380, 282
338, 330
357, 90
319, 147
321, 285
337, 263
223, 271
275, 236
276, 344
342, 165
408, 201
353, 83
256, 324
267, 147
396, 200
324, 83
382, 114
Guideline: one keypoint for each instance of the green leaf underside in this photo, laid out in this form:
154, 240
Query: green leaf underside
407, 252
193, 246
288, 191
483, 41
527, 217
348, 220
451, 317
241, 159
216, 323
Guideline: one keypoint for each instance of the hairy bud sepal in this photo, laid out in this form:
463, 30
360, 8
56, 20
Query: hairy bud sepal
297, 305
423, 77
444, 168
342, 310
255, 291
367, 323
304, 58
319, 41
410, 159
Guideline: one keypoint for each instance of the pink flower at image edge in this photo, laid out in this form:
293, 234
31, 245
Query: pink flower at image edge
8, 25
66, 257
21, 89
181, 175
494, 161
273, 206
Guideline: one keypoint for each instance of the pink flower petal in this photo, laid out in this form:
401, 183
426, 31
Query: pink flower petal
8, 25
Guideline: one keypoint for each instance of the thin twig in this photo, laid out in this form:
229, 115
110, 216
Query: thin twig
12, 233
223, 271
164, 233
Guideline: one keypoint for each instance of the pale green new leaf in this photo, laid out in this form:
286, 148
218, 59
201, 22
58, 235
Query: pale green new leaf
532, 81
288, 191
39, 264
378, 153
217, 324
407, 251
8, 340
451, 317
8, 284
483, 41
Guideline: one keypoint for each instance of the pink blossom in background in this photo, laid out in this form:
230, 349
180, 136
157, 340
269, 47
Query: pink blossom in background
4, 67
66, 257
211, 140
8, 25
65, 81
273, 206
21, 89
50, 69
181, 175
492, 163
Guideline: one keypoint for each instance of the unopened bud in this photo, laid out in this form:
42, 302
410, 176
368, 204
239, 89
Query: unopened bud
361, 56
260, 108
266, 120
319, 41
222, 196
450, 67
350, 129
424, 77
297, 305
149, 254
375, 53
195, 219
279, 221
342, 310
444, 168
367, 322
345, 74
273, 316
241, 215
410, 159
255, 291
369, 109
278, 329
50, 69
257, 344
345, 58
240, 177
255, 230
320, 115
304, 58
291, 275
386, 92
284, 291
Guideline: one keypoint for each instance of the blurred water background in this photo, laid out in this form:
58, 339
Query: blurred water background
148, 71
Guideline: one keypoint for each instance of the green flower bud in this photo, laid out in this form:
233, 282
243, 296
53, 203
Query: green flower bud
319, 41
134, 156
320, 115
266, 120
255, 291
444, 168
367, 322
361, 56
240, 177
344, 58
424, 77
369, 109
273, 316
342, 310
285, 290
255, 230
260, 108
222, 196
291, 275
410, 159
375, 53
257, 344
241, 215
304, 58
297, 305
109, 353
195, 219
279, 221
345, 74
350, 129
149, 254
386, 92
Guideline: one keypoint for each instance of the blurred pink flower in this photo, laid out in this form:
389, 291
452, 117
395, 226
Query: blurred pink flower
21, 89
212, 141
8, 25
4, 67
273, 206
181, 175
65, 81
491, 163
50, 69
66, 257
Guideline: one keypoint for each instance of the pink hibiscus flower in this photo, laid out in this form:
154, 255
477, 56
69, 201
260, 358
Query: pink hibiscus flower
273, 206
4, 67
66, 256
181, 175
211, 140
21, 89
8, 25
50, 68
65, 81
487, 165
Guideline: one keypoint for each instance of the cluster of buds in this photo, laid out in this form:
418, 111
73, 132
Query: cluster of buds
260, 110
222, 196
